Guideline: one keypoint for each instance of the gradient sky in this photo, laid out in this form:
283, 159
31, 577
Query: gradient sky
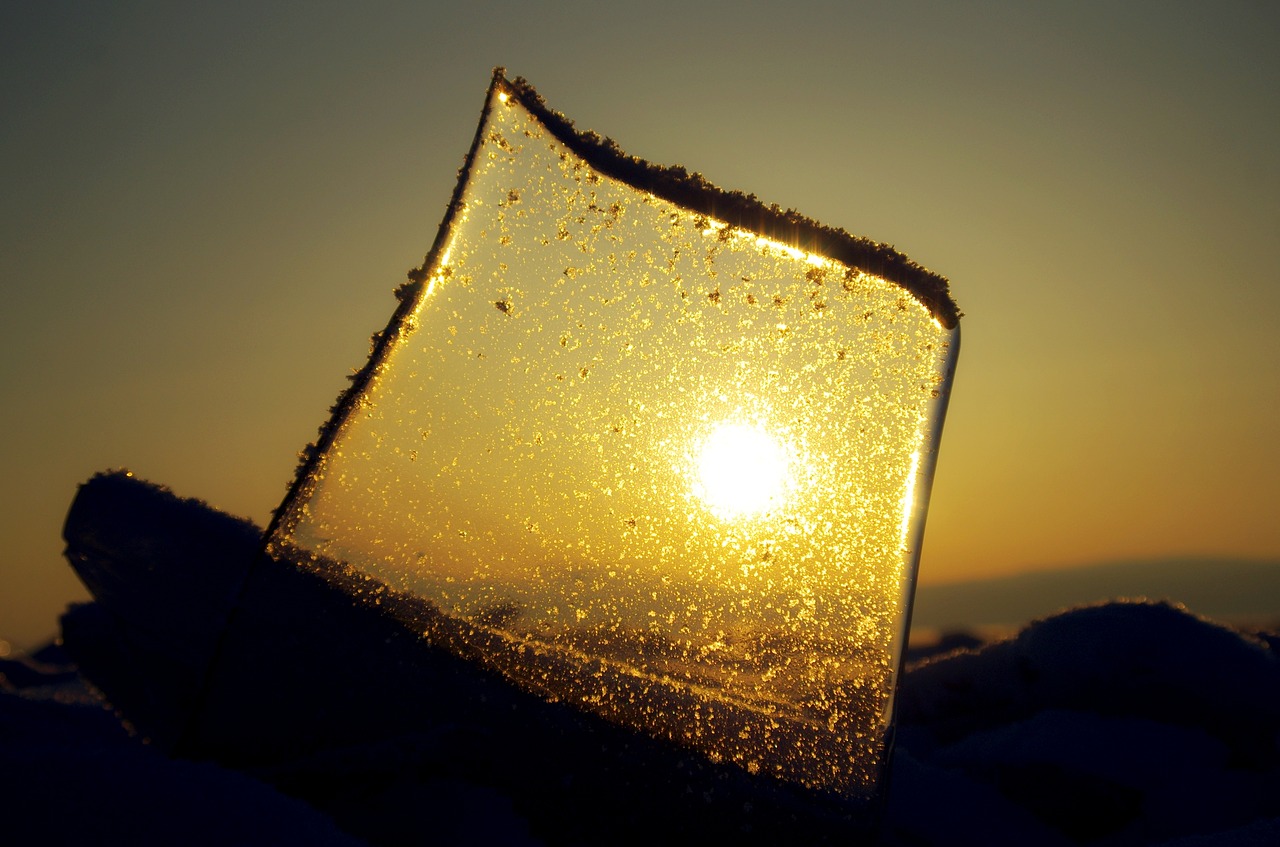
204, 209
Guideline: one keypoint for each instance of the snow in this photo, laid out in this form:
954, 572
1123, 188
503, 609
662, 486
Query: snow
71, 773
1122, 723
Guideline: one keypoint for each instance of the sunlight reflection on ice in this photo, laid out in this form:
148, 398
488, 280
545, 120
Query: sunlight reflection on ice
661, 467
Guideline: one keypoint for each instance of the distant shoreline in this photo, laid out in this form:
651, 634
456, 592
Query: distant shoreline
1233, 590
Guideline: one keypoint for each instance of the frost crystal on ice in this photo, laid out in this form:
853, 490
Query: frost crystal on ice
661, 465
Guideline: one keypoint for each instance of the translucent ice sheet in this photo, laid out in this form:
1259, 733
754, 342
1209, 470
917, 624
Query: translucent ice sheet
655, 465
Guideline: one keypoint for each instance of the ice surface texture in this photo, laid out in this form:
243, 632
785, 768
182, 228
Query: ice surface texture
665, 468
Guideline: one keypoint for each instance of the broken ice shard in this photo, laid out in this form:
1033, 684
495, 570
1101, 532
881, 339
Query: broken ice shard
653, 449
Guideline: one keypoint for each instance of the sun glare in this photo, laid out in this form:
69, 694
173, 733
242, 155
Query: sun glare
742, 470
664, 469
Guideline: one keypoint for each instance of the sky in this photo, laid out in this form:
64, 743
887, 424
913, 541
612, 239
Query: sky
204, 209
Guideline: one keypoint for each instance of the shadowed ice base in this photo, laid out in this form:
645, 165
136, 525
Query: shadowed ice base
819, 734
802, 711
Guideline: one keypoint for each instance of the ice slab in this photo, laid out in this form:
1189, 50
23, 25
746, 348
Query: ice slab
652, 449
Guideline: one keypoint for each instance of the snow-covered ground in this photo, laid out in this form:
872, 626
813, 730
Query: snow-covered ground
1124, 723
1120, 724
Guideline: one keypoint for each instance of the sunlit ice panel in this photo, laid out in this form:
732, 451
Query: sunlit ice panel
665, 467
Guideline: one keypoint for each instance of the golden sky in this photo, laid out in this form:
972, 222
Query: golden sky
204, 211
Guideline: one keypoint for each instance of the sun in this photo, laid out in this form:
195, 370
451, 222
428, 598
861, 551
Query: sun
741, 470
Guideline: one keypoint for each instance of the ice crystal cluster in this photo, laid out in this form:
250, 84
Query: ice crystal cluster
645, 462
